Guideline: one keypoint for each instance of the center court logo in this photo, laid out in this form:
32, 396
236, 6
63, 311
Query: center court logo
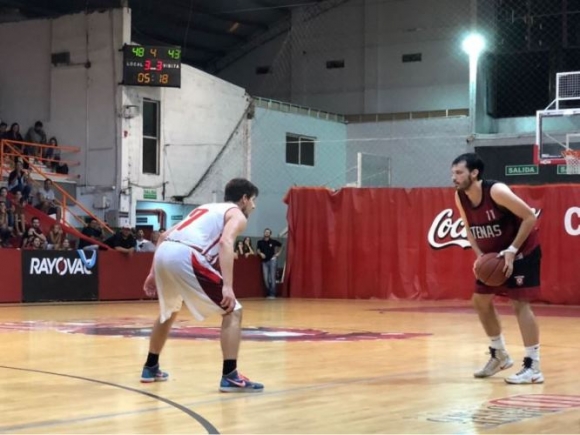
63, 266
505, 410
129, 327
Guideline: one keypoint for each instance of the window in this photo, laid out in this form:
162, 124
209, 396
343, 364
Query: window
300, 150
261, 70
333, 64
150, 137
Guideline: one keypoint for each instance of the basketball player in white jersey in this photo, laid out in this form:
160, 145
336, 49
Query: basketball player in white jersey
183, 271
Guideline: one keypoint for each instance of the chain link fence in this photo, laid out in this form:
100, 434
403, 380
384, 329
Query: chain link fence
377, 92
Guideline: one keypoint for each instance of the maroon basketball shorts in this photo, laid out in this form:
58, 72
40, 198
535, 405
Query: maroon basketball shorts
524, 284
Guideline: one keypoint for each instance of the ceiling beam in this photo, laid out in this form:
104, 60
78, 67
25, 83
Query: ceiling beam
169, 21
231, 18
157, 38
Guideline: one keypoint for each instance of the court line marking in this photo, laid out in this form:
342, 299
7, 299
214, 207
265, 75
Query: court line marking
211, 429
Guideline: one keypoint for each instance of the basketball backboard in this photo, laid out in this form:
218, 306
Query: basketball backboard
558, 125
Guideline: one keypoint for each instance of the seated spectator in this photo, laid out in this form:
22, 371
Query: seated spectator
248, 250
5, 228
58, 167
50, 152
143, 245
55, 238
35, 135
18, 181
65, 245
47, 201
35, 243
123, 241
3, 128
244, 248
4, 197
33, 232
14, 134
93, 230
18, 205
155, 237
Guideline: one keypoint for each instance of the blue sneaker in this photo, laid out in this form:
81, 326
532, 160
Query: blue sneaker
238, 383
153, 374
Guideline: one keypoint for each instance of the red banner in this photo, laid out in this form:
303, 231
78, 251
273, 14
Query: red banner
411, 244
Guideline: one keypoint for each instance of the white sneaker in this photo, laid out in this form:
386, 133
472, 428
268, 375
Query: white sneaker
499, 360
529, 374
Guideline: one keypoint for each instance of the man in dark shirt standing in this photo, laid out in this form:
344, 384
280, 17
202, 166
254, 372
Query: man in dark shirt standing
269, 250
123, 241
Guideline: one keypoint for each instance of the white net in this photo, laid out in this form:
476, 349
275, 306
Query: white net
568, 86
572, 158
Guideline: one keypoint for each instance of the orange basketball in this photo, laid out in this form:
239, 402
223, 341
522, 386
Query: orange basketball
489, 269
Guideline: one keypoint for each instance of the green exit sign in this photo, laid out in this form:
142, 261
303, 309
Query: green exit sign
149, 193
521, 170
562, 170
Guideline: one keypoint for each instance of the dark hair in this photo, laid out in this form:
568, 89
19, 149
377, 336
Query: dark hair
55, 141
3, 124
14, 124
237, 188
472, 162
38, 124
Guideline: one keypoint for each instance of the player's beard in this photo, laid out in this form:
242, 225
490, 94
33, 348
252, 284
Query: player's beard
465, 185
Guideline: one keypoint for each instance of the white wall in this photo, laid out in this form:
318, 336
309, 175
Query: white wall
371, 36
75, 103
196, 122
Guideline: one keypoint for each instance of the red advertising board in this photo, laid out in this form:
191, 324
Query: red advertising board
411, 244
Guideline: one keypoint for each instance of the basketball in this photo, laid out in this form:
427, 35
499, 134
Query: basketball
489, 269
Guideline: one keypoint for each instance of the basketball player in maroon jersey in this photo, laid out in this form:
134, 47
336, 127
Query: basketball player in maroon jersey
497, 220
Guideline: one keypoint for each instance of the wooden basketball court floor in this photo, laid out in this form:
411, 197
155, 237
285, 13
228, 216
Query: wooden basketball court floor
329, 366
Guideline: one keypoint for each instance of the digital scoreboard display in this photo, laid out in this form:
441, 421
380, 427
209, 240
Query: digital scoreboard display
151, 66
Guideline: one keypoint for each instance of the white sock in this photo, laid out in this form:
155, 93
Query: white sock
533, 352
498, 342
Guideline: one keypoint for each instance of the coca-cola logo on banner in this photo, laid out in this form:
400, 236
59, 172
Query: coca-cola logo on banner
572, 221
445, 231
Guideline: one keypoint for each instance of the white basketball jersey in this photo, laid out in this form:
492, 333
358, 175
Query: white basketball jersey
202, 228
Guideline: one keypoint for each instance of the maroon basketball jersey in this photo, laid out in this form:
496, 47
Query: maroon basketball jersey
494, 227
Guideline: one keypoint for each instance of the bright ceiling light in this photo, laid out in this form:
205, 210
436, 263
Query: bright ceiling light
473, 44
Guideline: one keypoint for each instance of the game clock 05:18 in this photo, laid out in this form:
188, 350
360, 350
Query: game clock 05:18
151, 66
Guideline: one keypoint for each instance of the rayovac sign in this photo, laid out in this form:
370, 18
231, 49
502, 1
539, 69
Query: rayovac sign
63, 265
59, 276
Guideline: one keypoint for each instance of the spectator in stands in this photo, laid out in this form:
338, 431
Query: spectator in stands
4, 197
33, 232
18, 213
92, 230
35, 243
3, 128
51, 152
65, 245
18, 181
123, 241
46, 200
14, 134
155, 238
55, 238
5, 228
143, 245
58, 167
35, 135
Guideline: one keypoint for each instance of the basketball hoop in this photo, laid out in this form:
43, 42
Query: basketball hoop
572, 158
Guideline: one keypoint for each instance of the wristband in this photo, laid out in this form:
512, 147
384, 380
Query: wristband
512, 249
